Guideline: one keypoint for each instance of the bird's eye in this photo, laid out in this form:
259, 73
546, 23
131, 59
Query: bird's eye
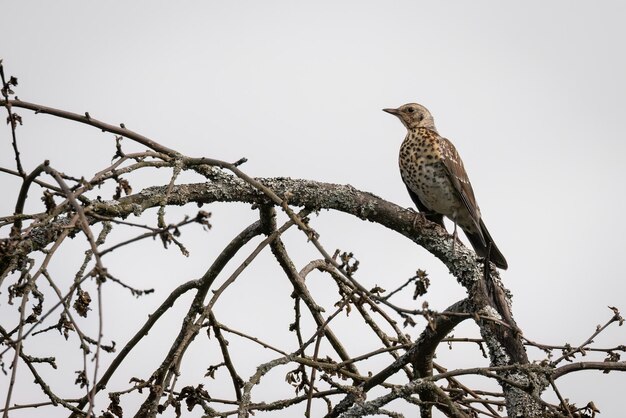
410, 110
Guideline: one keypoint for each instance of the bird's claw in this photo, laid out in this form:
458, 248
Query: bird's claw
420, 217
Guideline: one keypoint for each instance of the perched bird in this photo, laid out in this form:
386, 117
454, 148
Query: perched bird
434, 175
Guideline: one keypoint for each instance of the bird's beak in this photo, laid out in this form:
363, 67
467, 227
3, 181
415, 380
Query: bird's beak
392, 111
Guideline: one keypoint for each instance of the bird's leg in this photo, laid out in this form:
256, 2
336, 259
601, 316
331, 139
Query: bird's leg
454, 238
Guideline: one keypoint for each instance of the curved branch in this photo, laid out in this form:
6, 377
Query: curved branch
88, 120
311, 194
423, 352
227, 188
21, 199
589, 365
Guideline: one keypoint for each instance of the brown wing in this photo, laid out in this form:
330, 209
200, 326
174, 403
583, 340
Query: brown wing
458, 177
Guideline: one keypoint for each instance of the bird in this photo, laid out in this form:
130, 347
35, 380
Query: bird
437, 182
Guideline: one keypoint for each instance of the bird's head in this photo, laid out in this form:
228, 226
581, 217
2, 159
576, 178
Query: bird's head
413, 115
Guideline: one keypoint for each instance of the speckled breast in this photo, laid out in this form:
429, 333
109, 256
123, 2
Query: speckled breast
424, 173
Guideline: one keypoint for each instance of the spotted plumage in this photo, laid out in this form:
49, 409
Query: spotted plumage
435, 177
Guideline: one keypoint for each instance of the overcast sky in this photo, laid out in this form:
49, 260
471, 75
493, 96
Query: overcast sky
531, 93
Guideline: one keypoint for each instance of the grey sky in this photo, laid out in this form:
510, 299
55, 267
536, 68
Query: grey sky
531, 93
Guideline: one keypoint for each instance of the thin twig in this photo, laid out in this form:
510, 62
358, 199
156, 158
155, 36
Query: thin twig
589, 340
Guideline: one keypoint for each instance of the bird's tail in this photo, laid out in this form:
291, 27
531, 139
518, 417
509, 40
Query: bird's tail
486, 247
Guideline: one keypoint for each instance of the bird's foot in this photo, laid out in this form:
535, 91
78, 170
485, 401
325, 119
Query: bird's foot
419, 217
